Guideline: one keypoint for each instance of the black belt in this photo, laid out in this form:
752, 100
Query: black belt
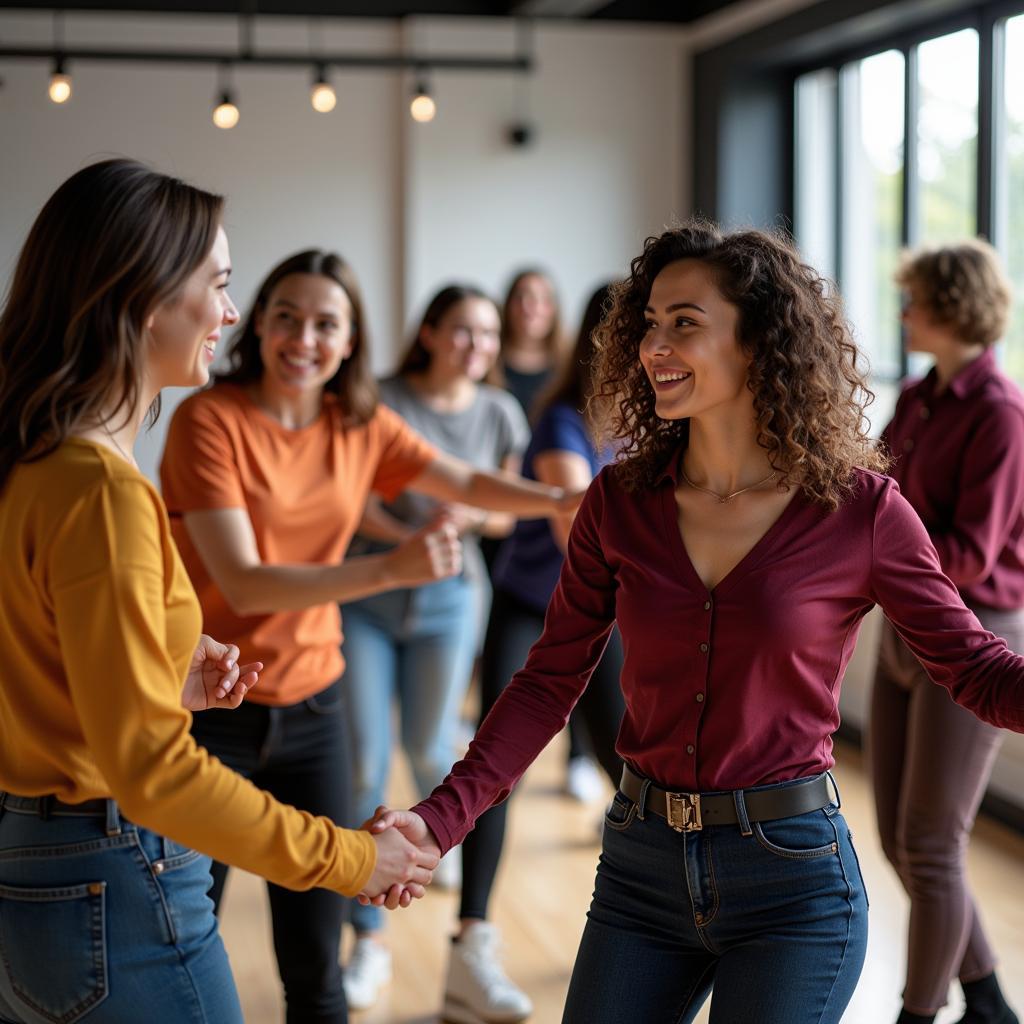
689, 812
47, 806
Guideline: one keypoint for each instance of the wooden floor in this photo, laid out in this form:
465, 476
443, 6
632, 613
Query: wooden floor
543, 894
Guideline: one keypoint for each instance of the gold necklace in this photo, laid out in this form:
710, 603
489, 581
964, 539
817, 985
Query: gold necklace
723, 498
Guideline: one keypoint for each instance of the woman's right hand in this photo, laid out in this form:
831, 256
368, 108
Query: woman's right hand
403, 870
430, 554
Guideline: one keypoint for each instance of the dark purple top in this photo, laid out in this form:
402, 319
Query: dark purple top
738, 686
959, 460
529, 562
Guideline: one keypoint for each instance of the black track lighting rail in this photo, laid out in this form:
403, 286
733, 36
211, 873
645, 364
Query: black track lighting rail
388, 61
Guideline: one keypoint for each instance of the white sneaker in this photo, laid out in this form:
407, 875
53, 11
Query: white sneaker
448, 873
583, 780
478, 990
367, 972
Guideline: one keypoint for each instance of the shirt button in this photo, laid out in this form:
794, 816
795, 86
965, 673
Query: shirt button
689, 748
908, 445
700, 698
704, 648
924, 412
707, 606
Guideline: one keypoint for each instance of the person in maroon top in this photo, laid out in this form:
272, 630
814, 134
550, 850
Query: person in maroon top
738, 542
957, 441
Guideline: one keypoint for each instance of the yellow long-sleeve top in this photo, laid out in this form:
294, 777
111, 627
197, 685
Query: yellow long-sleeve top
98, 623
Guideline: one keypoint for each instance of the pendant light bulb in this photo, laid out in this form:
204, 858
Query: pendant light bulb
322, 95
422, 108
60, 83
226, 115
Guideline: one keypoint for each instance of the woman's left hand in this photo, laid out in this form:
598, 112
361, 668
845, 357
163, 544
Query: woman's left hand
215, 679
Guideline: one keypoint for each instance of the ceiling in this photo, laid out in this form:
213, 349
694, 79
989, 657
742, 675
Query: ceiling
672, 11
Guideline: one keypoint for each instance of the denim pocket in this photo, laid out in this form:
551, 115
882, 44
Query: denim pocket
175, 855
620, 813
799, 837
53, 949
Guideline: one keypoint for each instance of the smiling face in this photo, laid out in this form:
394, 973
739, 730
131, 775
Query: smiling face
465, 341
305, 333
690, 352
185, 329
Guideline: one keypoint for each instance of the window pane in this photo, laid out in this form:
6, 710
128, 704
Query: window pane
947, 137
1010, 189
815, 201
871, 94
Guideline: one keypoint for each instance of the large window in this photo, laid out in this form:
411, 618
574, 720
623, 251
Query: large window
945, 189
910, 123
1009, 190
871, 114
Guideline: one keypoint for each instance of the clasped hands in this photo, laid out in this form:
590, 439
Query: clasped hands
407, 854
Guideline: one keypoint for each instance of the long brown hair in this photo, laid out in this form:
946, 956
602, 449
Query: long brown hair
809, 391
554, 342
111, 244
353, 384
417, 357
573, 381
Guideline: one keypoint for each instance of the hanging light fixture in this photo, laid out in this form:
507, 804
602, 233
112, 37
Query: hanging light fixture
423, 108
322, 95
225, 111
60, 82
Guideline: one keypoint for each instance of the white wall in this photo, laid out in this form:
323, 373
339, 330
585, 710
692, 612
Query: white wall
411, 206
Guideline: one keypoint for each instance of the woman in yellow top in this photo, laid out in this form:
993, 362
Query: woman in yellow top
105, 798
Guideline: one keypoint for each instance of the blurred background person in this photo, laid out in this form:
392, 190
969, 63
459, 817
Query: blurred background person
957, 441
533, 345
417, 645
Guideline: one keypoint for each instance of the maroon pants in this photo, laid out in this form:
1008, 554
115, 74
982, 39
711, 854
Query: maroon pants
930, 761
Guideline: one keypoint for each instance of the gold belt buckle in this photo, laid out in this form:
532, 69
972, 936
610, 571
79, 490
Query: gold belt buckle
683, 811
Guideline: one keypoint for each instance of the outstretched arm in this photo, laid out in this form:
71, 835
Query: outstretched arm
227, 545
450, 479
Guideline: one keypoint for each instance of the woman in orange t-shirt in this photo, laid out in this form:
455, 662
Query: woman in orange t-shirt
266, 476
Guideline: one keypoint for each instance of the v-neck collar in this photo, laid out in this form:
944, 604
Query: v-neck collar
668, 481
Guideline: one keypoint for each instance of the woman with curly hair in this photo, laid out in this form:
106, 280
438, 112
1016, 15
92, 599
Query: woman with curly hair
737, 542
957, 440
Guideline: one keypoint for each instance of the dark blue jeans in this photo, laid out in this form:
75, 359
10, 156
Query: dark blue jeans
775, 922
300, 754
107, 922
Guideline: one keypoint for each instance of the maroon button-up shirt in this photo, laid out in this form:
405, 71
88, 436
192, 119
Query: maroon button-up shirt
736, 686
959, 460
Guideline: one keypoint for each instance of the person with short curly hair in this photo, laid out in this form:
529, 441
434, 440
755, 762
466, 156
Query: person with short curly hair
738, 543
957, 437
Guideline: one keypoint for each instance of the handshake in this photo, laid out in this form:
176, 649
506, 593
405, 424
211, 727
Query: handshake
407, 854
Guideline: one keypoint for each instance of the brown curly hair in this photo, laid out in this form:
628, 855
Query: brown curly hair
809, 391
962, 286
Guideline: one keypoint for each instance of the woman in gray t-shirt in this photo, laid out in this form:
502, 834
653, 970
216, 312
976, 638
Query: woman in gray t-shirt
418, 645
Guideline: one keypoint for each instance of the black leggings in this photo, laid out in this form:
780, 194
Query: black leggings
300, 754
512, 630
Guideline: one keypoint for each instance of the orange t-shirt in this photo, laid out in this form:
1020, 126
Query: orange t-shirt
304, 491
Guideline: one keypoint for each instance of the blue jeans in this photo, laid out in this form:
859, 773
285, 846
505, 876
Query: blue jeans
417, 646
775, 921
105, 921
